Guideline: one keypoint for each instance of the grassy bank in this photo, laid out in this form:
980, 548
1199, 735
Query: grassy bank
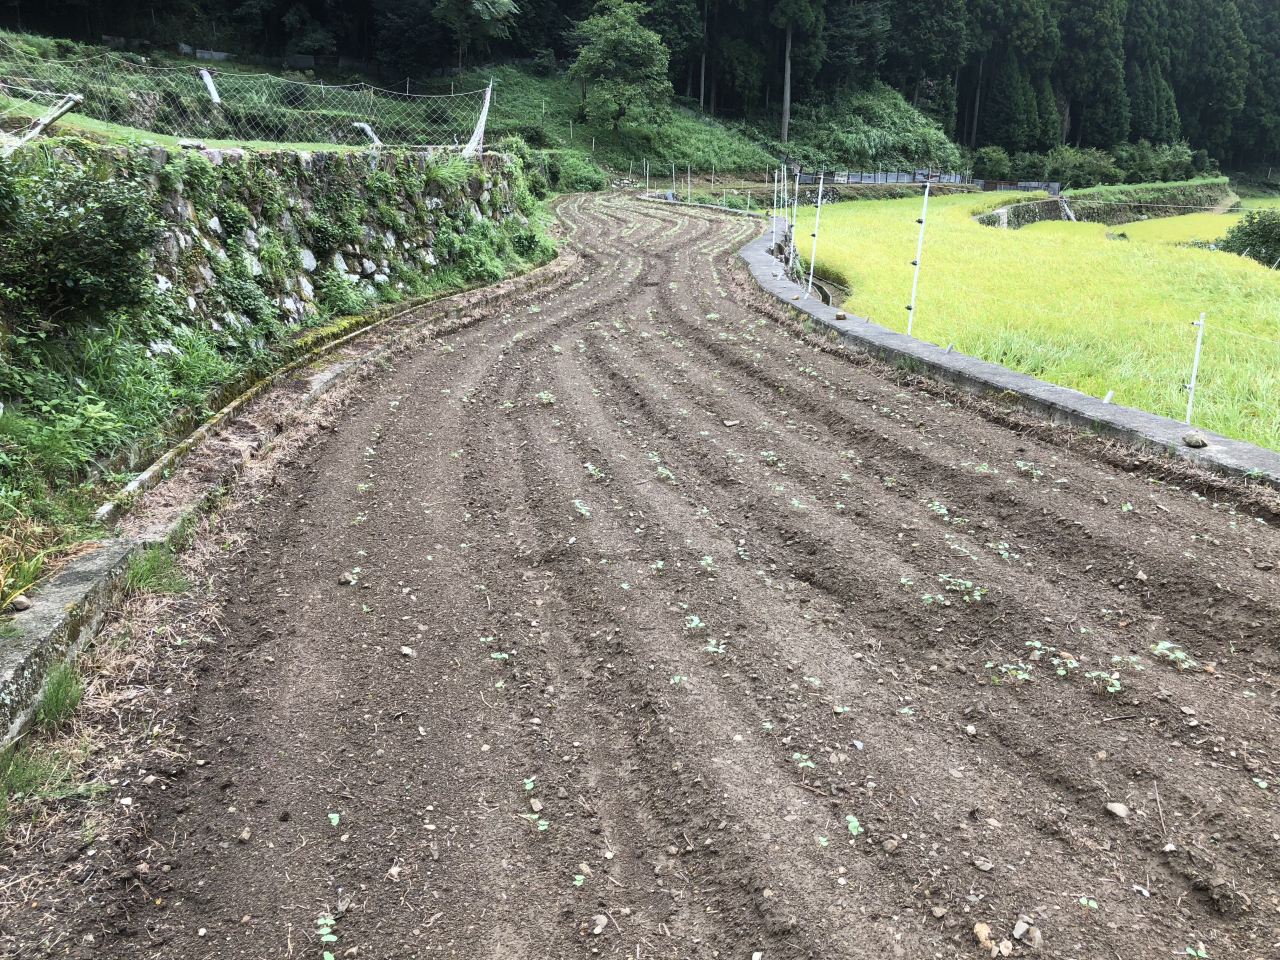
140, 289
1064, 303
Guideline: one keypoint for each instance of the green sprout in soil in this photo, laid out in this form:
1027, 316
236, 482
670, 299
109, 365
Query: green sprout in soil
324, 930
546, 398
1011, 672
1166, 650
855, 828
582, 508
1105, 682
802, 761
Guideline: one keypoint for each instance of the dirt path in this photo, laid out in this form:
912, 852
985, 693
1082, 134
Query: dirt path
674, 636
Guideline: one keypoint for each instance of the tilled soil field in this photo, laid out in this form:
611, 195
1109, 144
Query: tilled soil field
633, 622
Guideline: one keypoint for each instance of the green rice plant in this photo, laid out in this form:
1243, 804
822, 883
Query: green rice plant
1063, 303
155, 570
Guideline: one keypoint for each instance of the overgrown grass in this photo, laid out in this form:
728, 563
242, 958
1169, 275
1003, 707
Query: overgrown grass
62, 694
1064, 303
540, 110
155, 570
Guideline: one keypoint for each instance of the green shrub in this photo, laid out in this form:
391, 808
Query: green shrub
73, 246
991, 163
1258, 234
338, 295
234, 217
573, 173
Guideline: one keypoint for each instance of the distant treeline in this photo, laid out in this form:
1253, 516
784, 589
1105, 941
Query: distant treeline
1025, 75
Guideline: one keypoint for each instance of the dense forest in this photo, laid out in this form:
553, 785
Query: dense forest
1025, 75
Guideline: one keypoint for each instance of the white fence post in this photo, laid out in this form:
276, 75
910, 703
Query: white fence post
816, 218
1195, 365
911, 310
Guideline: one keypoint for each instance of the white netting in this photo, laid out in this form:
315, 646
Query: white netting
21, 110
252, 108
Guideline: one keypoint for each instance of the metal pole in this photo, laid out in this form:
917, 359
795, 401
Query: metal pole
688, 183
673, 177
1195, 365
816, 217
911, 310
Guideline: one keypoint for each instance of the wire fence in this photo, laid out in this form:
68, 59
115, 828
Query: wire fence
21, 109
202, 102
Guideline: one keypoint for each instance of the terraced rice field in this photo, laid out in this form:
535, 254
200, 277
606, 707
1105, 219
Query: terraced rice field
1065, 303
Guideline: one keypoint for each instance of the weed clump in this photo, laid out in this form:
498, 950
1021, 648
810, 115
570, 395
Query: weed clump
155, 570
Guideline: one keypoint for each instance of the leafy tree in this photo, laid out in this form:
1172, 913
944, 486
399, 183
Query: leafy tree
857, 37
1013, 116
1210, 62
1050, 123
623, 63
1093, 54
991, 163
790, 15
470, 20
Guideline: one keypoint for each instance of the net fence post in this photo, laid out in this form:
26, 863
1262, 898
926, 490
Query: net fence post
911, 310
1195, 365
813, 257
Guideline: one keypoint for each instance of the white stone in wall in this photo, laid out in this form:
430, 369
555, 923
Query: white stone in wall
215, 225
251, 240
339, 262
163, 283
206, 272
380, 278
308, 290
367, 266
191, 304
308, 260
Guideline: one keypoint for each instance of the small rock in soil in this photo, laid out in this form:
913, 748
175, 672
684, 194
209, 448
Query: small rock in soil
1189, 711
983, 865
889, 845
245, 835
348, 579
601, 922
940, 912
1021, 927
562, 793
1006, 948
1265, 565
535, 804
1118, 809
1194, 438
409, 651
982, 933
20, 603
971, 730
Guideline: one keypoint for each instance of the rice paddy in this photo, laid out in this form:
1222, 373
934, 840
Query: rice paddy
1067, 304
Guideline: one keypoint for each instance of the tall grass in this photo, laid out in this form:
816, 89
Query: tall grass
1064, 303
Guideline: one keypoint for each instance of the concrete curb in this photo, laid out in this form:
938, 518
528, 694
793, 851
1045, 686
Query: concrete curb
990, 380
70, 610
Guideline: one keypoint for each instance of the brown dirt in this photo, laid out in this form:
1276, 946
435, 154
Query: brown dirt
669, 631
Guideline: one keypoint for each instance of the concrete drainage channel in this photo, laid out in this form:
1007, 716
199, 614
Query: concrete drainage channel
71, 609
981, 378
